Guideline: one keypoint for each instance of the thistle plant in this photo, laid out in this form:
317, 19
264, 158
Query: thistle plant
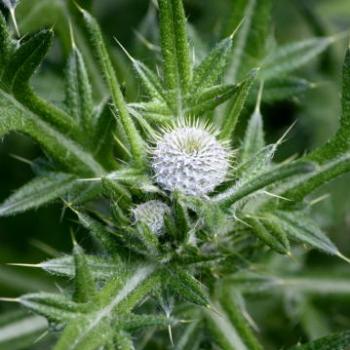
187, 219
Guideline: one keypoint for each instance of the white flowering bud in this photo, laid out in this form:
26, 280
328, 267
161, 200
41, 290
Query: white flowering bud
190, 159
152, 214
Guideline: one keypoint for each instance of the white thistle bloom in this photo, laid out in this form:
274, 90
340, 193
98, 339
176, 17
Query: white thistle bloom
190, 159
152, 214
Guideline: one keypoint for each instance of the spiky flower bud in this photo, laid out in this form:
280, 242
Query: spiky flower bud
152, 214
190, 159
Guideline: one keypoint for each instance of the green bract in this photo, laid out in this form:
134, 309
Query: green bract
170, 257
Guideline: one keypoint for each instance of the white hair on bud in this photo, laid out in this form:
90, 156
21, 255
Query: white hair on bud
152, 214
190, 159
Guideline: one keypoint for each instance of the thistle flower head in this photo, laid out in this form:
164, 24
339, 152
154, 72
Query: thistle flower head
152, 214
190, 159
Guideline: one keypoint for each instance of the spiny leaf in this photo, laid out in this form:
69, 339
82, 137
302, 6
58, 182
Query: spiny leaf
250, 41
79, 94
98, 231
182, 221
133, 321
340, 143
117, 297
80, 335
258, 163
134, 138
211, 69
27, 57
18, 72
235, 107
84, 284
336, 341
102, 269
124, 341
253, 140
255, 283
22, 65
190, 337
208, 99
54, 307
292, 56
142, 240
187, 286
298, 190
105, 126
279, 173
283, 88
151, 82
20, 330
278, 243
231, 307
16, 117
223, 331
300, 228
153, 108
37, 192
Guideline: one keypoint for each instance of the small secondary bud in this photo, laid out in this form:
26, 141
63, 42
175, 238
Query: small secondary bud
152, 214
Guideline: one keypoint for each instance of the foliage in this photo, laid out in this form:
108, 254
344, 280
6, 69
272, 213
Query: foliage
192, 274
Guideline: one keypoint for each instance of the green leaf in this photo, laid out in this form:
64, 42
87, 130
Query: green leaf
98, 231
340, 142
301, 229
227, 334
254, 139
27, 58
250, 41
182, 221
79, 94
152, 83
257, 164
124, 341
230, 305
133, 136
56, 308
105, 127
212, 68
142, 240
336, 341
102, 269
186, 286
208, 99
119, 296
22, 65
283, 88
255, 283
279, 173
37, 192
190, 338
84, 284
235, 107
277, 242
19, 331
16, 117
82, 334
298, 190
174, 43
134, 322
289, 57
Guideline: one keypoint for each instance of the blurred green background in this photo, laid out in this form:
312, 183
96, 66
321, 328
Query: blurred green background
32, 237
